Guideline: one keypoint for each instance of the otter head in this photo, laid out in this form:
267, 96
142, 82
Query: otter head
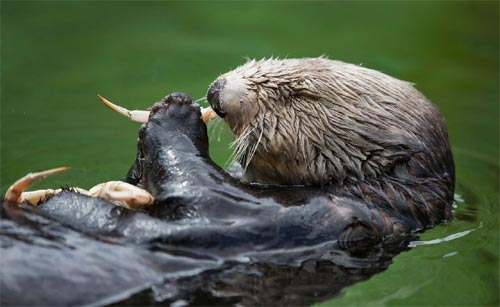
251, 99
317, 121
234, 99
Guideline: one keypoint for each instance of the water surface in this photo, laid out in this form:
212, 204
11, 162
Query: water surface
57, 56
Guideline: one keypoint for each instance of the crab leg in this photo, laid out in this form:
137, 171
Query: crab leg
15, 191
35, 197
207, 114
140, 116
118, 192
122, 194
135, 115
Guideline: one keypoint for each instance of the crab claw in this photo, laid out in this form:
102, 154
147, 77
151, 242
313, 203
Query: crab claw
207, 114
140, 116
15, 191
135, 115
118, 192
122, 194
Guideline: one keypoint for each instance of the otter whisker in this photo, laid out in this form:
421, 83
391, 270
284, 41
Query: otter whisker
215, 126
240, 145
254, 148
221, 127
244, 147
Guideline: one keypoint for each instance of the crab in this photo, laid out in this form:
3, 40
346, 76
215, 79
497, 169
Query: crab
120, 193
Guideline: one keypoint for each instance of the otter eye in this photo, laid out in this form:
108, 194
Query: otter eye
213, 97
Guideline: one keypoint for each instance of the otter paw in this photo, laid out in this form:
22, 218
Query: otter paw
174, 115
176, 107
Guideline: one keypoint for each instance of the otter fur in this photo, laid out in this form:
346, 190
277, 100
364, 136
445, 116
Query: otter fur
317, 122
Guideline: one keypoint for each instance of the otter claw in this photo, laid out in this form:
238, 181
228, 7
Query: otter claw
122, 194
139, 116
15, 192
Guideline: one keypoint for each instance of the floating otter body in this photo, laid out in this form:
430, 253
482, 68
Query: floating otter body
318, 122
392, 177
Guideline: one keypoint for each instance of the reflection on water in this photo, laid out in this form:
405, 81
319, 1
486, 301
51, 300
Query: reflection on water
445, 239
466, 213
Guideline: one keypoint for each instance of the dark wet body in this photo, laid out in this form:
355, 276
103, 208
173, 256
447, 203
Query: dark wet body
74, 249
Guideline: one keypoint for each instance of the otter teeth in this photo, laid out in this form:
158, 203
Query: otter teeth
207, 114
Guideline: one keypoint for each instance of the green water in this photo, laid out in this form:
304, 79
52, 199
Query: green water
57, 56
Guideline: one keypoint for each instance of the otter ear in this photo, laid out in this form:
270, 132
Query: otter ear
299, 89
398, 148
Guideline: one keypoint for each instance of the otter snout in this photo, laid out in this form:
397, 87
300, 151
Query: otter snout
213, 97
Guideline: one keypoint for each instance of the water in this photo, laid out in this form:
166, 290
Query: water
57, 56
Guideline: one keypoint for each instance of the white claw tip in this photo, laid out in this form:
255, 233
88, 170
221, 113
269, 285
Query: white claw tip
136, 115
143, 116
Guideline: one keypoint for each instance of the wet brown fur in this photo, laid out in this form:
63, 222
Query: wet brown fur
374, 140
317, 122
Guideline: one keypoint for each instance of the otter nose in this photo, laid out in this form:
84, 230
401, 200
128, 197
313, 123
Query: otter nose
213, 97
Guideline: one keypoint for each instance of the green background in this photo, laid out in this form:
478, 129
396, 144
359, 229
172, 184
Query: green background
57, 56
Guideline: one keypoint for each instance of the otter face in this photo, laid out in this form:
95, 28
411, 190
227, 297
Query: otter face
234, 99
256, 100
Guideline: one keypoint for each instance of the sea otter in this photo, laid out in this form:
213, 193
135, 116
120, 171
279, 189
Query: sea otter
341, 153
320, 122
